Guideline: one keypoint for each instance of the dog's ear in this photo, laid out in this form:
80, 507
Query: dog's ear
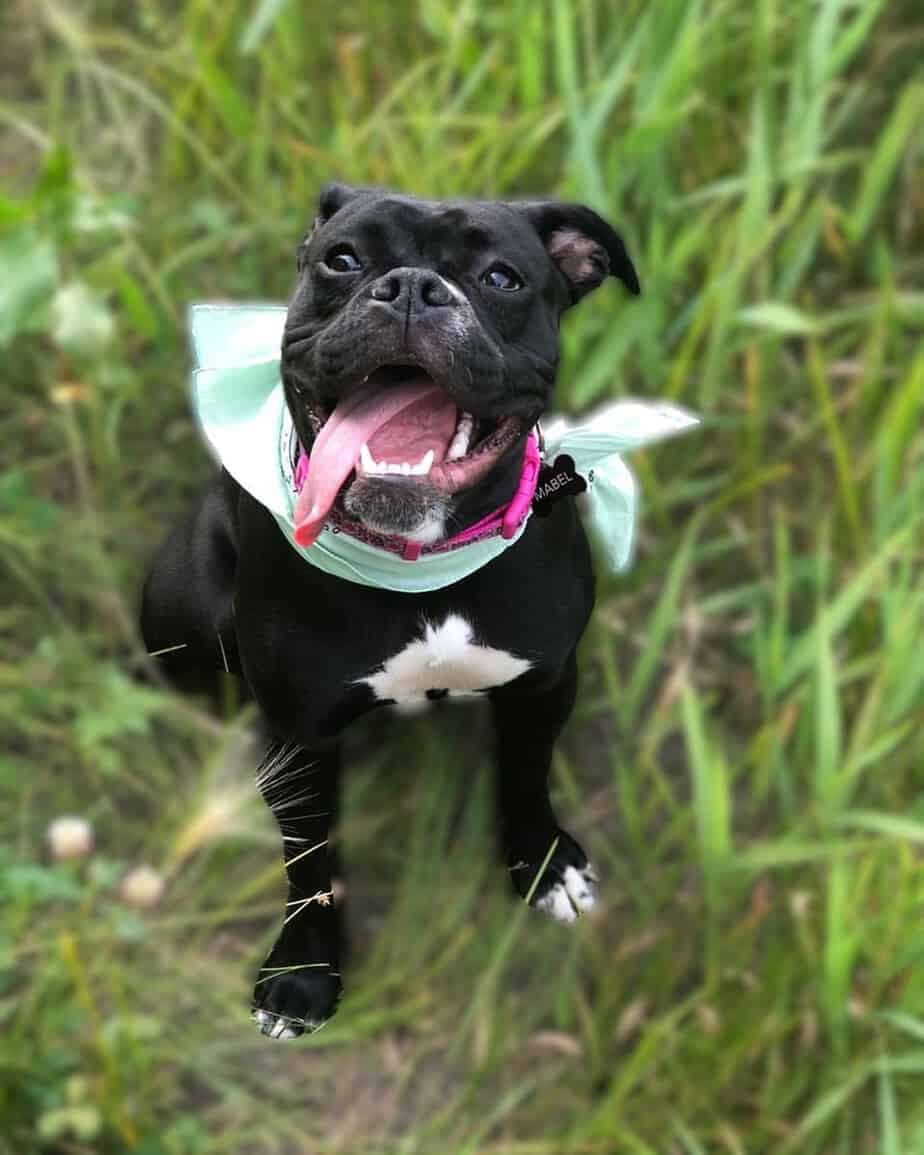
584, 247
331, 199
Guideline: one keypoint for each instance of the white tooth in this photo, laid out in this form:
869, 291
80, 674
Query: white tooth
391, 467
405, 468
426, 462
463, 435
366, 460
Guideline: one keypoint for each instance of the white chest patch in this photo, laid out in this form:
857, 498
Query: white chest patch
445, 658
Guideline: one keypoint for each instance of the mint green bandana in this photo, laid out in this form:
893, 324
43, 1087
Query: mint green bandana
238, 399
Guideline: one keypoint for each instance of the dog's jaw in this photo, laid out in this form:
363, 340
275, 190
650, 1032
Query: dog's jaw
396, 453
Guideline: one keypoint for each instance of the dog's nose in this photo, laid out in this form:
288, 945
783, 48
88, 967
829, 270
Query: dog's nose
409, 290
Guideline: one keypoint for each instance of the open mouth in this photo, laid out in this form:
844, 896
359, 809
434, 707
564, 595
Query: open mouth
399, 427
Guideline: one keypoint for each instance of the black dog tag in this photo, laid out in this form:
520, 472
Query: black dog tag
558, 480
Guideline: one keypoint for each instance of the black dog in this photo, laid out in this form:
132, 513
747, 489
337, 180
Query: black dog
458, 304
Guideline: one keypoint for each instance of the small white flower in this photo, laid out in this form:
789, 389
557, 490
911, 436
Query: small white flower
800, 902
142, 887
81, 319
69, 837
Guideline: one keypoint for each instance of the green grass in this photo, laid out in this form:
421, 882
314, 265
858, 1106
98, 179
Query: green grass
745, 761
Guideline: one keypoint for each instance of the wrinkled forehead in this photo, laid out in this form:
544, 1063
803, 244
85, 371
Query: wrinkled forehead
407, 227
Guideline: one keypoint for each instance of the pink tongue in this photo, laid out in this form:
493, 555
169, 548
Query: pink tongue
362, 418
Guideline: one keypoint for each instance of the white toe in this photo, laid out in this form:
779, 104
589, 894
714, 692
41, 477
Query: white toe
580, 887
573, 896
274, 1026
556, 904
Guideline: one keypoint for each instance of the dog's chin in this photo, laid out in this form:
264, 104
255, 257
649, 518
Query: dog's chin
398, 507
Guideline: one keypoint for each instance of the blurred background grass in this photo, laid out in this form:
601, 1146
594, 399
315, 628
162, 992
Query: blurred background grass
745, 761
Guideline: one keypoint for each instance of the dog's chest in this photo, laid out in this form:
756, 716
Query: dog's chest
444, 659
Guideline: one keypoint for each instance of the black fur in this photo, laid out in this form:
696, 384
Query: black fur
235, 595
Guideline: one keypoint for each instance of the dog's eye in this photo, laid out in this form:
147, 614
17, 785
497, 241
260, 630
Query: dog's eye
501, 276
342, 259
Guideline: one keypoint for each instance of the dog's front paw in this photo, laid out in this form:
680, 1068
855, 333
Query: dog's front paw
566, 888
289, 1001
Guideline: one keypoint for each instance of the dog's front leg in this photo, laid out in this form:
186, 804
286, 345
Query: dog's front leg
299, 986
544, 861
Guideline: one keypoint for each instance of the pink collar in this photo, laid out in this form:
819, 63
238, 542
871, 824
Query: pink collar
505, 520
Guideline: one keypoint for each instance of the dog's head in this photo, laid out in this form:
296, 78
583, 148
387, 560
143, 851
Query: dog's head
421, 345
